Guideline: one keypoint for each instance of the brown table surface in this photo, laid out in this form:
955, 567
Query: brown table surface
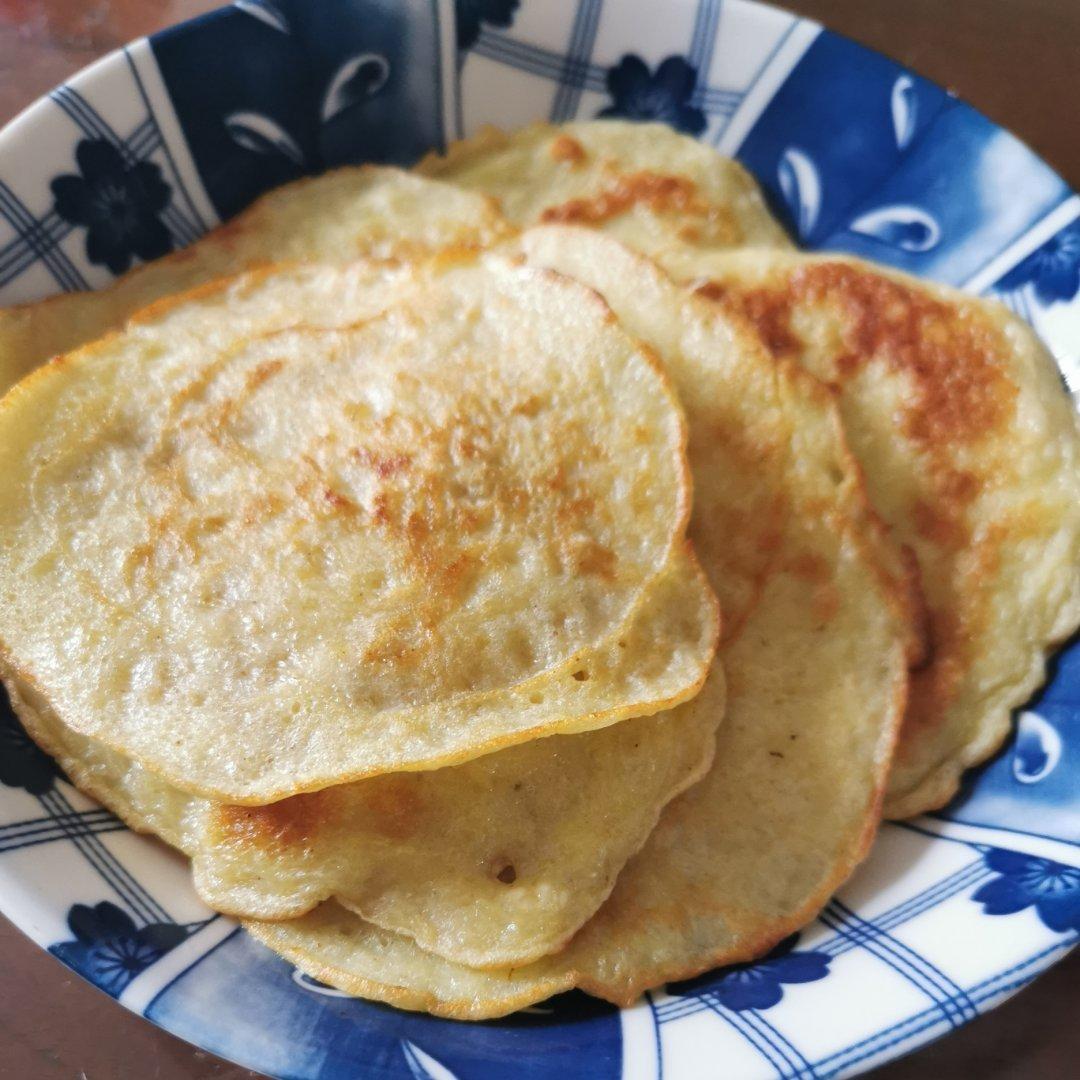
1017, 60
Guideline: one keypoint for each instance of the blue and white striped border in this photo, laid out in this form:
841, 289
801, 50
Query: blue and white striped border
91, 834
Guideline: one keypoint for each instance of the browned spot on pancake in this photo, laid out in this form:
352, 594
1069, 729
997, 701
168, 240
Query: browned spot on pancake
934, 687
847, 366
809, 567
292, 822
395, 805
953, 632
768, 310
594, 558
417, 530
384, 465
960, 487
956, 395
452, 574
567, 150
530, 407
941, 523
816, 572
950, 353
380, 509
338, 502
576, 509
826, 602
657, 192
261, 372
746, 521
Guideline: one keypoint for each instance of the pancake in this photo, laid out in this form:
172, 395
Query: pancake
276, 561
660, 192
342, 215
496, 861
971, 451
815, 653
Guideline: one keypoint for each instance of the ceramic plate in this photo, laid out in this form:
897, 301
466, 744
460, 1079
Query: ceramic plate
952, 913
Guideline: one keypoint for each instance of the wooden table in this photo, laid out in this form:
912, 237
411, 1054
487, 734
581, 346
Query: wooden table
1017, 60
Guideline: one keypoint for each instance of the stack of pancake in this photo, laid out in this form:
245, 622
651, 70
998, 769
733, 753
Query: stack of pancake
527, 572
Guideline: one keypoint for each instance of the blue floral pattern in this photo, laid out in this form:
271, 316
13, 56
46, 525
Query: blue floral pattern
760, 984
22, 764
1054, 269
1025, 881
253, 95
118, 204
472, 13
109, 950
663, 95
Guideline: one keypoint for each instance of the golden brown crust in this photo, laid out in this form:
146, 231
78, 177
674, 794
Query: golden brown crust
446, 569
962, 371
960, 393
32, 333
566, 149
665, 189
657, 192
894, 562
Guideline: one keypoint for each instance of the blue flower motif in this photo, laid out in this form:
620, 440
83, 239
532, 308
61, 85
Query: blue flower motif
1054, 268
117, 202
22, 763
109, 950
471, 13
663, 96
1026, 881
759, 984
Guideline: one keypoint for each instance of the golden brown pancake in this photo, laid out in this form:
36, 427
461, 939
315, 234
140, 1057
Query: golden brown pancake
971, 452
816, 659
280, 559
497, 861
341, 215
663, 193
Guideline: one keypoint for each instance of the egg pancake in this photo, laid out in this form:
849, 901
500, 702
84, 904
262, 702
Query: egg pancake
342, 215
494, 862
661, 192
971, 450
815, 653
280, 559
